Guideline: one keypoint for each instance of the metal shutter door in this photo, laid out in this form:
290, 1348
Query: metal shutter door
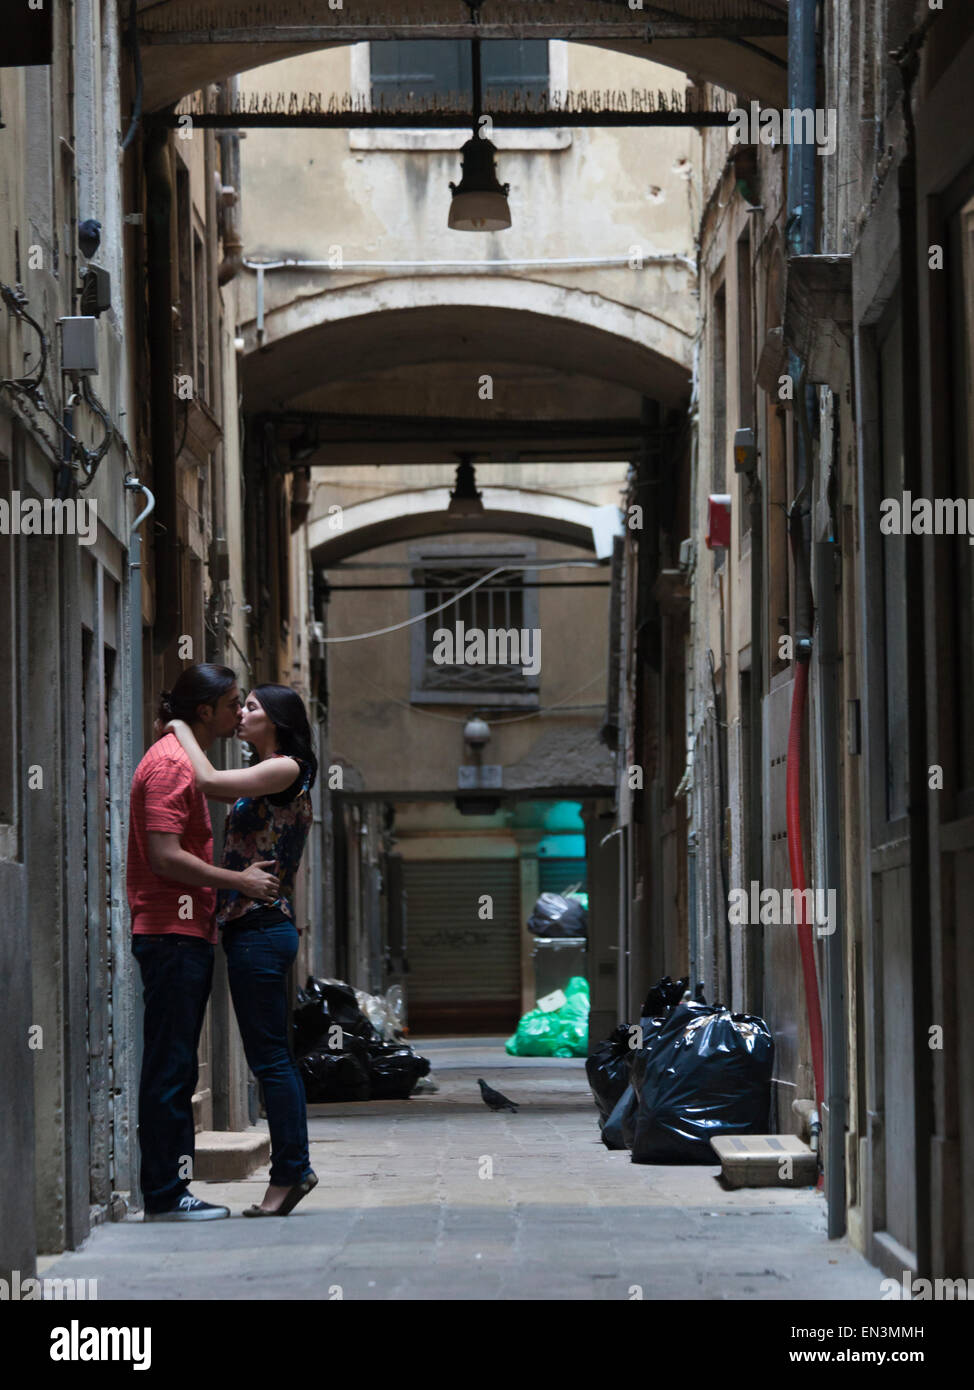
555, 875
464, 972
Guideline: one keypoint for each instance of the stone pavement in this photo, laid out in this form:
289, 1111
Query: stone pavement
438, 1198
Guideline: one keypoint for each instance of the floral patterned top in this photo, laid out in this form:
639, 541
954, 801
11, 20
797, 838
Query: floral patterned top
266, 827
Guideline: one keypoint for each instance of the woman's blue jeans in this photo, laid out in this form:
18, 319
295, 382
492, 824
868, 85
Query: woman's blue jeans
258, 962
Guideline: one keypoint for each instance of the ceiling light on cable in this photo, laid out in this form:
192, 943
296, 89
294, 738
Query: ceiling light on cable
479, 202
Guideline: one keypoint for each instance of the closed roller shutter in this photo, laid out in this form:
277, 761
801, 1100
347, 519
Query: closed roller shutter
464, 972
555, 875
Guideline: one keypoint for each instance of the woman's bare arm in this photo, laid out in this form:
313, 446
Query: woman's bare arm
265, 778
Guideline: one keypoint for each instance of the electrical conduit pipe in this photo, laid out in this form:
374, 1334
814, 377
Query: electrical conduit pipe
796, 860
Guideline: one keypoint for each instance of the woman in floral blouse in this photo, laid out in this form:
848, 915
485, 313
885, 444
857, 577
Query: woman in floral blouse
268, 821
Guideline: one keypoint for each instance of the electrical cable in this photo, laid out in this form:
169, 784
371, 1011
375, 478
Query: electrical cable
15, 300
91, 458
501, 569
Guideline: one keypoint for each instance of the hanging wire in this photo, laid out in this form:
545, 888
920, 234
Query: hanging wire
455, 598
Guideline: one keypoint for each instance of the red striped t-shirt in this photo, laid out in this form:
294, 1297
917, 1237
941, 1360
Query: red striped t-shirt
165, 798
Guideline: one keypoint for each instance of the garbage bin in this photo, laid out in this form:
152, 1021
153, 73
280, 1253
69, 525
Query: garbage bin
556, 960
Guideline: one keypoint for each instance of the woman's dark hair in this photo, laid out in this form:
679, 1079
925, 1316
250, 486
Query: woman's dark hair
197, 685
285, 709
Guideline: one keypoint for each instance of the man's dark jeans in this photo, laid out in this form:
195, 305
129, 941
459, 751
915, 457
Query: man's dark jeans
259, 959
177, 972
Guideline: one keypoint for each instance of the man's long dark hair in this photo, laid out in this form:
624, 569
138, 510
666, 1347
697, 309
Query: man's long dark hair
197, 685
285, 709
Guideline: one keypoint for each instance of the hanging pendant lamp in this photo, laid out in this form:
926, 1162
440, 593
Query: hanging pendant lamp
479, 202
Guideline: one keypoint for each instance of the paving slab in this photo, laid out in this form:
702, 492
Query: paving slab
437, 1198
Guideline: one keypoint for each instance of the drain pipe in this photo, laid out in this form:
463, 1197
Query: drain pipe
159, 200
920, 646
229, 141
801, 240
135, 618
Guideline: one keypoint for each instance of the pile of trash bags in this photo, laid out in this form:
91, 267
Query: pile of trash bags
556, 916
349, 1044
690, 1072
558, 1027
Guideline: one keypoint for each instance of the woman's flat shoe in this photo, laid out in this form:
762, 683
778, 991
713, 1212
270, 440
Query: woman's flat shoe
294, 1195
299, 1190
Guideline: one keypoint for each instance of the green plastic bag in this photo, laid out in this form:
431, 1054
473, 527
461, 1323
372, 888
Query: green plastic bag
559, 1033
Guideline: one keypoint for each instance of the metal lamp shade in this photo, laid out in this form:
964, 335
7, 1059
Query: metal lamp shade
479, 202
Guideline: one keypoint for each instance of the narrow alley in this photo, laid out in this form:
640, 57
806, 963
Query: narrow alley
487, 596
437, 1198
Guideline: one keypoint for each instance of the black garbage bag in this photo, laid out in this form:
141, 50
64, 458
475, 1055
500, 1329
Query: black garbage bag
617, 1131
334, 1076
394, 1069
556, 916
663, 995
607, 1069
312, 1023
706, 1073
321, 1005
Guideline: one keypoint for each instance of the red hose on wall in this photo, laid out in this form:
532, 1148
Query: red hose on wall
796, 859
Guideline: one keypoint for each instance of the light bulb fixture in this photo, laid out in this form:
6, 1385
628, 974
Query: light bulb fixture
476, 732
465, 500
479, 202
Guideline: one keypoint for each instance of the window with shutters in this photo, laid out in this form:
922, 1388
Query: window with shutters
400, 73
405, 71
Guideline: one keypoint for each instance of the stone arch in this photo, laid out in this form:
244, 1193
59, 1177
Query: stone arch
334, 334
422, 512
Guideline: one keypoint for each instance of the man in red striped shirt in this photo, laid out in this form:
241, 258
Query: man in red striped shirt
172, 885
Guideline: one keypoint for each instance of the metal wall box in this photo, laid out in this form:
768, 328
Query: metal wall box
745, 450
818, 315
96, 290
79, 346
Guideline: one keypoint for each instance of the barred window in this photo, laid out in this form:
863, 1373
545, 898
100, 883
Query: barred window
502, 609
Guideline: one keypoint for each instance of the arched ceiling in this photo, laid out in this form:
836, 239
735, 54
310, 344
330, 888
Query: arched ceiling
736, 44
340, 336
392, 373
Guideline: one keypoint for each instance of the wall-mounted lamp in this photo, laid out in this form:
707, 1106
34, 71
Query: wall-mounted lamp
476, 731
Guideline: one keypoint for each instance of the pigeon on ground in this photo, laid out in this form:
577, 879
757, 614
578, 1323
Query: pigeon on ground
493, 1099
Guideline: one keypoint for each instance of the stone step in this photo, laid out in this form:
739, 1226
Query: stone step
765, 1160
228, 1155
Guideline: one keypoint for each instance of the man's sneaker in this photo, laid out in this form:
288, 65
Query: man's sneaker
188, 1208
